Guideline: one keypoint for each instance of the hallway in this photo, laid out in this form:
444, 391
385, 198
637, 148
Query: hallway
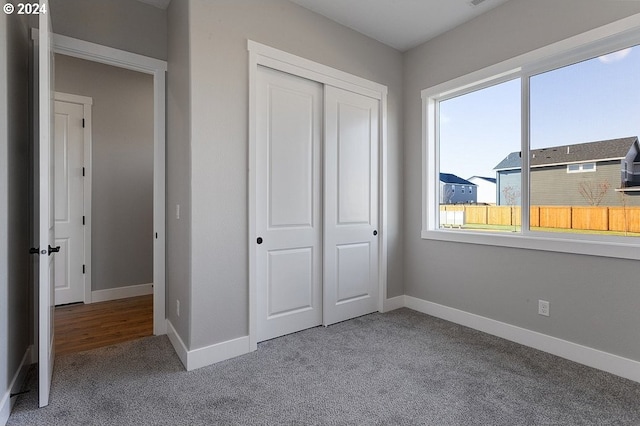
81, 327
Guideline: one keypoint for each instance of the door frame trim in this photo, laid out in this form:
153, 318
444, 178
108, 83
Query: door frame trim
87, 143
157, 68
263, 55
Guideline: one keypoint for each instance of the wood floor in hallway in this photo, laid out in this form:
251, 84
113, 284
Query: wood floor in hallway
80, 327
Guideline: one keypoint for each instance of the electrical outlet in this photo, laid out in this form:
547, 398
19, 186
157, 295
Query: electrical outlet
543, 308
177, 307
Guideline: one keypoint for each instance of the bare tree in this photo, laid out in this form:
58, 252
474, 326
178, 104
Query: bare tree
593, 192
511, 195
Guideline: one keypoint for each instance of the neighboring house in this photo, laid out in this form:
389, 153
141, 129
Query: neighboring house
563, 175
486, 189
455, 190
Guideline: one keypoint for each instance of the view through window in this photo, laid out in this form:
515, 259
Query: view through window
584, 127
584, 157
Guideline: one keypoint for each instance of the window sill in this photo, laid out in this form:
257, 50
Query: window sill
544, 241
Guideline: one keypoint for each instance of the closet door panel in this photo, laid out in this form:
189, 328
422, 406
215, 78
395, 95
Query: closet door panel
288, 204
350, 205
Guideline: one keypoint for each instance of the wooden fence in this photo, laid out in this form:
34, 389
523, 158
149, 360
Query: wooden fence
618, 219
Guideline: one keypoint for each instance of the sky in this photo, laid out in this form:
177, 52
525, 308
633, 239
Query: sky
593, 100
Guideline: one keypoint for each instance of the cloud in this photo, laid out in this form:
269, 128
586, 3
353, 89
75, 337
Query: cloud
615, 56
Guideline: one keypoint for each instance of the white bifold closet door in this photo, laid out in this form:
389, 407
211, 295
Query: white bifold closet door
316, 204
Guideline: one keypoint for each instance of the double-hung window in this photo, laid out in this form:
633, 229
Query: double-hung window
553, 133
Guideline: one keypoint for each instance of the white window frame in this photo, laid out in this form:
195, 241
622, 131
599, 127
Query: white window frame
615, 36
581, 168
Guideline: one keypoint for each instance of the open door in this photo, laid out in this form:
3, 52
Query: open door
44, 215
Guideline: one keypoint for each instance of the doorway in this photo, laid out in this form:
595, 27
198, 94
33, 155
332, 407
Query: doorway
156, 69
118, 169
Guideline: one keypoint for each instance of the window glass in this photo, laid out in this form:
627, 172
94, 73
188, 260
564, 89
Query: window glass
476, 131
586, 112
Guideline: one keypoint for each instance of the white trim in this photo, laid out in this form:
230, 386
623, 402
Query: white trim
260, 54
222, 351
121, 292
6, 404
87, 104
581, 167
177, 343
106, 55
394, 303
585, 355
157, 68
201, 357
547, 241
614, 36
283, 61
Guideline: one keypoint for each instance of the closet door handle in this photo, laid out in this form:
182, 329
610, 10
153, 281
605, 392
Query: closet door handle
259, 240
375, 232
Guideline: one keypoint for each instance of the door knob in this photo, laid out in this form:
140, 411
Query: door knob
34, 250
54, 249
375, 232
259, 241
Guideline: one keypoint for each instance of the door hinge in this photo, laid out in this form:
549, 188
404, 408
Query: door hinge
83, 123
83, 217
83, 269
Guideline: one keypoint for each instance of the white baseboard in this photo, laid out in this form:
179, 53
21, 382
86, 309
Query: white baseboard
393, 303
178, 344
121, 292
6, 404
201, 357
585, 355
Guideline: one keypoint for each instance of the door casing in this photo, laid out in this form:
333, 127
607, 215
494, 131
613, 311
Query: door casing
262, 55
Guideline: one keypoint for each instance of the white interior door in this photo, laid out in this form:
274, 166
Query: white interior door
69, 202
288, 204
45, 213
350, 205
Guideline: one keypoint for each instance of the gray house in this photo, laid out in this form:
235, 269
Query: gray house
455, 190
589, 173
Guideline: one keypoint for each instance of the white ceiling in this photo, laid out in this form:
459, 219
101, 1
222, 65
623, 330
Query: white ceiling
162, 4
401, 24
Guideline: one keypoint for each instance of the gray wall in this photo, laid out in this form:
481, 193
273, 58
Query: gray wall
451, 193
593, 299
122, 162
219, 143
15, 294
123, 24
179, 169
553, 186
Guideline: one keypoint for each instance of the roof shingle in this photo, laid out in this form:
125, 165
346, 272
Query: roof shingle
565, 154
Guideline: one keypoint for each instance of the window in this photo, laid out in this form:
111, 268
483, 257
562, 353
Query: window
578, 168
558, 175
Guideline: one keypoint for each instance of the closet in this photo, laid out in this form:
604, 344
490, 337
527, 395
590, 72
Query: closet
316, 203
